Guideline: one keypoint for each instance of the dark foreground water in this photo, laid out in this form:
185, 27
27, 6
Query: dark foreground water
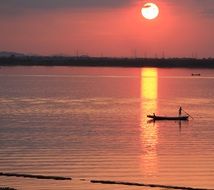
91, 123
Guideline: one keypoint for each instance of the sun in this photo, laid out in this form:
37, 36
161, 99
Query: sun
150, 11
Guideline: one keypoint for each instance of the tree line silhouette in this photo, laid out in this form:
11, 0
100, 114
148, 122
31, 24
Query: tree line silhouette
105, 61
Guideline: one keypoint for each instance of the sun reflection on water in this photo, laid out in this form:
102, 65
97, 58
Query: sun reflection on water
149, 132
149, 83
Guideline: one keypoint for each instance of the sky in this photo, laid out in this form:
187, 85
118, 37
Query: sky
184, 28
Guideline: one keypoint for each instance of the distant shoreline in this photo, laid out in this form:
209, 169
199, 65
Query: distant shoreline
106, 62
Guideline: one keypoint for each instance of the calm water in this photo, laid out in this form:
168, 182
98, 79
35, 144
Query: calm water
91, 123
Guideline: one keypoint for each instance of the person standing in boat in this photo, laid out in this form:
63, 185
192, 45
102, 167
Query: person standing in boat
179, 112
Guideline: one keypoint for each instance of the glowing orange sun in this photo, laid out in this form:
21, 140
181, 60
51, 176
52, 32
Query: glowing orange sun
150, 11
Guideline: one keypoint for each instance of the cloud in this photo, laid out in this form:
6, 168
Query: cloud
207, 7
20, 6
202, 7
64, 3
14, 7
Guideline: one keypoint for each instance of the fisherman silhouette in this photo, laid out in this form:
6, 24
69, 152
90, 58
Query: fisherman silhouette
180, 110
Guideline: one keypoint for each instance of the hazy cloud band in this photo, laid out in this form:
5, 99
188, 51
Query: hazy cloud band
11, 7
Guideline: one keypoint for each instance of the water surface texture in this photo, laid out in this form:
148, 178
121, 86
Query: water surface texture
90, 123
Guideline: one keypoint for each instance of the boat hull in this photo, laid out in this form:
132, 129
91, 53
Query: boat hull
167, 118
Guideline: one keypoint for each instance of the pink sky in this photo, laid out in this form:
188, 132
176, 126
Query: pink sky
179, 31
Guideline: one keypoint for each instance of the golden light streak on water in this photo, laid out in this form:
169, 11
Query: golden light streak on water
149, 83
149, 132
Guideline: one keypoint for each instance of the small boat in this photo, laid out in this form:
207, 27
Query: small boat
155, 117
196, 74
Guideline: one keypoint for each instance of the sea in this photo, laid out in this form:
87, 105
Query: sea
90, 123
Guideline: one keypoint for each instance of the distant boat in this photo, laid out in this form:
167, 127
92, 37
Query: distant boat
155, 117
196, 74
